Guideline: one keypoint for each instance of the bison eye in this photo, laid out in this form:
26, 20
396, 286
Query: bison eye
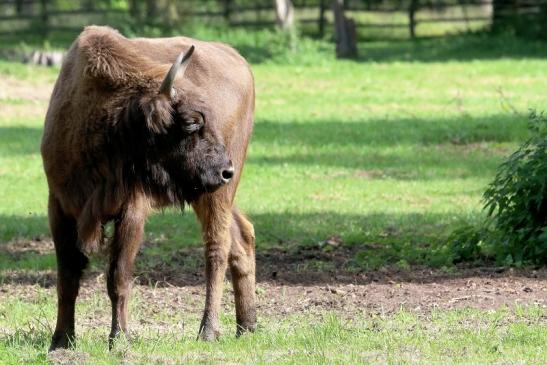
191, 122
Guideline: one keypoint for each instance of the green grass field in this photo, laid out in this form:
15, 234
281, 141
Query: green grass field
391, 151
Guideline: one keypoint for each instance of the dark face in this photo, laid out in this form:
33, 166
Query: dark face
195, 155
182, 155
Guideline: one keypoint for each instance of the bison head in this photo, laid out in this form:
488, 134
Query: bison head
171, 143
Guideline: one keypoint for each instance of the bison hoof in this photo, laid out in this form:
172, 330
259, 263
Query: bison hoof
208, 332
115, 337
244, 328
61, 340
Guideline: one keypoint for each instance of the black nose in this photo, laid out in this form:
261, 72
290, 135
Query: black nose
227, 174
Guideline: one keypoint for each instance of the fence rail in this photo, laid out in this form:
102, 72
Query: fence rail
43, 14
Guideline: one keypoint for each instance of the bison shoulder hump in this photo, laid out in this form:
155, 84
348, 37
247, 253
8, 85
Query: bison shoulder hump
104, 53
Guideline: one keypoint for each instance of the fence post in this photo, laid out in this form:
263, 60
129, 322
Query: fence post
322, 9
411, 18
19, 7
227, 9
344, 31
44, 16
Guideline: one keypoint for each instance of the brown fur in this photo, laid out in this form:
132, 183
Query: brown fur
102, 163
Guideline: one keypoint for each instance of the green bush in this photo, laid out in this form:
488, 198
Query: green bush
468, 242
517, 200
515, 232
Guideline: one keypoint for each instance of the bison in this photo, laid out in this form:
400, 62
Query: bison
126, 131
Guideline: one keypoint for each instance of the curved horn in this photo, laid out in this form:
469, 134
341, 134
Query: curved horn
179, 65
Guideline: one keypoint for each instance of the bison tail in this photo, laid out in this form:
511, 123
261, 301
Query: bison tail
90, 235
90, 229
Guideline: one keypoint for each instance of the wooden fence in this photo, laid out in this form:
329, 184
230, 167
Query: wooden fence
20, 16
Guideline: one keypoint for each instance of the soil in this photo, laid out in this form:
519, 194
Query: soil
23, 100
30, 91
288, 283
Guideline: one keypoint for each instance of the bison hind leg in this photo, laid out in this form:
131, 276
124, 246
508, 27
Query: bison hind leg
242, 269
128, 234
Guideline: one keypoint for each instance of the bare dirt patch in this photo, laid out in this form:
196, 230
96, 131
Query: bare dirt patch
23, 99
68, 357
18, 247
293, 282
33, 91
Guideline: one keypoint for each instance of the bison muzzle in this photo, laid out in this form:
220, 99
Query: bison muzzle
138, 124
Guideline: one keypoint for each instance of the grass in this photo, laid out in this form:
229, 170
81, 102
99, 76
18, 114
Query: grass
392, 150
458, 336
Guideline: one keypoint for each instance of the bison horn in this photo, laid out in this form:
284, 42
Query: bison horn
180, 65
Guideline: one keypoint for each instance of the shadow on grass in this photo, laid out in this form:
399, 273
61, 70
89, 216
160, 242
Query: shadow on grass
392, 132
401, 149
292, 249
463, 130
464, 47
417, 165
19, 140
30, 226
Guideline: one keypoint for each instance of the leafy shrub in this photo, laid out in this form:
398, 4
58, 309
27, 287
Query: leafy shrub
517, 200
466, 243
515, 231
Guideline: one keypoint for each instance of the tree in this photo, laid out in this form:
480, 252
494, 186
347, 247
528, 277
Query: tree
344, 30
284, 13
504, 13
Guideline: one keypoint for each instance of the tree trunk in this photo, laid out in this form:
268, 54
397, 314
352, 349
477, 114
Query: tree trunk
322, 8
44, 18
170, 14
504, 14
543, 21
151, 11
412, 18
226, 9
88, 4
284, 12
19, 7
344, 30
135, 10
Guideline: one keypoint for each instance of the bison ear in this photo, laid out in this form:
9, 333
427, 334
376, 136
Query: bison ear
158, 113
147, 113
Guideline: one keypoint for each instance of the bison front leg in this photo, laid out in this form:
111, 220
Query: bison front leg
214, 214
124, 248
70, 265
242, 268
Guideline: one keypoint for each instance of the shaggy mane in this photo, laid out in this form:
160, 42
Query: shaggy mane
106, 54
